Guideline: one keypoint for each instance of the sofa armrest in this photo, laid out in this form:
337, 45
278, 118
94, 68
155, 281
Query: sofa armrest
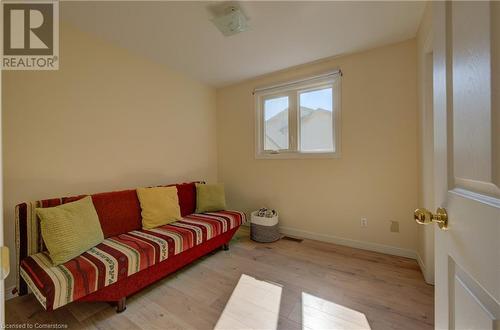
28, 237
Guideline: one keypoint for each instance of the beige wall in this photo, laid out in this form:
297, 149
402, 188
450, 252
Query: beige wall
106, 120
425, 246
325, 198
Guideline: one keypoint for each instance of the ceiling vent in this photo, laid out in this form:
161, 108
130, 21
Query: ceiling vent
231, 21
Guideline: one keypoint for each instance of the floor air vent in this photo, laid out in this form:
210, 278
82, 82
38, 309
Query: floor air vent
293, 239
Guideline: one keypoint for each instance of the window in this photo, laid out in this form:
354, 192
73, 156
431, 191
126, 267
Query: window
300, 119
276, 123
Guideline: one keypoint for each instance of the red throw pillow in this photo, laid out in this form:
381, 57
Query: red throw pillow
119, 211
187, 198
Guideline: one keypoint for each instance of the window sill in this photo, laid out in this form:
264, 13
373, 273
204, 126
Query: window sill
299, 155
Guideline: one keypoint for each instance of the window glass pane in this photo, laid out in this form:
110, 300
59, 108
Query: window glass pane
276, 123
316, 125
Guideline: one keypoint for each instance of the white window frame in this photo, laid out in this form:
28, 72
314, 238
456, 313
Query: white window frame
293, 90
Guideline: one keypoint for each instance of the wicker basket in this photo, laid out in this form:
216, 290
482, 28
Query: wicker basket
264, 230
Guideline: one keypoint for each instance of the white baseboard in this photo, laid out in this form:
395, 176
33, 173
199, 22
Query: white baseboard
9, 294
427, 277
387, 249
422, 266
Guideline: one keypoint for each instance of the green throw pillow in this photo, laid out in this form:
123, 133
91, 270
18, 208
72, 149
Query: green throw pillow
70, 229
210, 198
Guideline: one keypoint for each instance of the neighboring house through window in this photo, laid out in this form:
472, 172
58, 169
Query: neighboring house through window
299, 119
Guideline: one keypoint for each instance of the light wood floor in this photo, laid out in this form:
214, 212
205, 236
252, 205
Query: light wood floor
389, 291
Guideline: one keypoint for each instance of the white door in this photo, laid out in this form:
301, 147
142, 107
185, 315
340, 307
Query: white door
467, 163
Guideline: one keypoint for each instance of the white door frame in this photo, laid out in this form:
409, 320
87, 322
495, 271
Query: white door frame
425, 255
2, 282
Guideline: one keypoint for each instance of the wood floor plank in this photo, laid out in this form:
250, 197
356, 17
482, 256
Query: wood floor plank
341, 284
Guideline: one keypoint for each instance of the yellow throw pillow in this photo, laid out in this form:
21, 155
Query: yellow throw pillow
160, 205
210, 198
70, 229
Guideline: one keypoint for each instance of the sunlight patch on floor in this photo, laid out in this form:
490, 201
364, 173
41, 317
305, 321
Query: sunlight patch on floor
254, 304
318, 313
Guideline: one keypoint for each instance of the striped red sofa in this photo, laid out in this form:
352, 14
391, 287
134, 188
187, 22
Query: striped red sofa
129, 259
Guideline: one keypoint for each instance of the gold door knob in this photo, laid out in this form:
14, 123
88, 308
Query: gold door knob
424, 217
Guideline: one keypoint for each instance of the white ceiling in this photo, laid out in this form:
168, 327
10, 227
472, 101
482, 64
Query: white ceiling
283, 34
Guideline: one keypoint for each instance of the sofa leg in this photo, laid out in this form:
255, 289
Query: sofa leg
225, 247
23, 287
121, 305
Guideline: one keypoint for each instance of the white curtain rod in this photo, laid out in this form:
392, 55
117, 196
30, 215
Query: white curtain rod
323, 75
